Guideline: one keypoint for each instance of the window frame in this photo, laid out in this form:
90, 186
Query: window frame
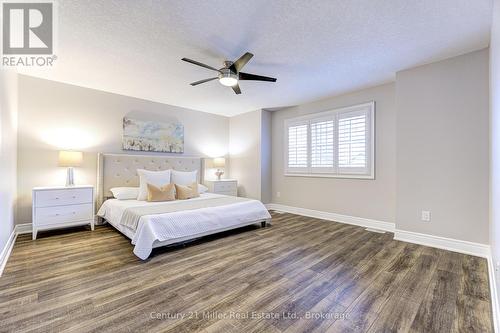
335, 171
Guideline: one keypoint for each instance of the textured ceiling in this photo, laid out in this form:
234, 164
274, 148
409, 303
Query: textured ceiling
315, 48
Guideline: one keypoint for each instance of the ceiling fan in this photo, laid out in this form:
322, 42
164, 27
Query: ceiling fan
230, 74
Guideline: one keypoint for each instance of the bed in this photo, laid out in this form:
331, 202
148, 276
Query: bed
154, 224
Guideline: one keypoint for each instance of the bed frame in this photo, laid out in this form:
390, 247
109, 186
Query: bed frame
117, 170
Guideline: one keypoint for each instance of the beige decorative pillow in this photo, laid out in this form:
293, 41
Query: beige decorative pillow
164, 193
183, 192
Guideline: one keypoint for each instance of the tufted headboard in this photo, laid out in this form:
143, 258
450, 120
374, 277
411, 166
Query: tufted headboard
115, 170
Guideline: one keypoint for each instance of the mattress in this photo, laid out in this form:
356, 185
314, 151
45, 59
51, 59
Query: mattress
168, 228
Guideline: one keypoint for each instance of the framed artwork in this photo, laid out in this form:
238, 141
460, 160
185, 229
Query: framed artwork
141, 135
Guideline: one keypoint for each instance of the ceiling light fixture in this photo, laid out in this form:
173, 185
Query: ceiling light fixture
231, 73
228, 79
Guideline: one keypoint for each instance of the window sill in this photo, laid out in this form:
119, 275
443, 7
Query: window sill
319, 175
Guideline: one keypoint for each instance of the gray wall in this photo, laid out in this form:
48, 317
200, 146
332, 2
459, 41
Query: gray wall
442, 147
55, 116
266, 156
244, 150
374, 199
250, 154
431, 153
8, 151
495, 137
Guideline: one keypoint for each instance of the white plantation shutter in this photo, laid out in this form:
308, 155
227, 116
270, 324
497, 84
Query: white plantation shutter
353, 142
322, 145
297, 147
337, 143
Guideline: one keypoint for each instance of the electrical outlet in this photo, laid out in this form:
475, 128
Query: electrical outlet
426, 216
278, 194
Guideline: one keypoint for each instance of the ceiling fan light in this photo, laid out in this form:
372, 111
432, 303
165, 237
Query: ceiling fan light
228, 81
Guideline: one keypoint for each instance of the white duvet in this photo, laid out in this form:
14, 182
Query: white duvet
179, 226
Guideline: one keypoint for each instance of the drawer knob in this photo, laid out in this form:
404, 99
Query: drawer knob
74, 196
57, 214
57, 198
74, 212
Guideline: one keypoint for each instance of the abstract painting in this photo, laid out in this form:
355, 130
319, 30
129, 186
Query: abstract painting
153, 136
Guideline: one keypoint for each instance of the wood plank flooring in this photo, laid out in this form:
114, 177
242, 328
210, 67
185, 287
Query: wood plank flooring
299, 275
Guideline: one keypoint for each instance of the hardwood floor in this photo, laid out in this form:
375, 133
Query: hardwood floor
299, 275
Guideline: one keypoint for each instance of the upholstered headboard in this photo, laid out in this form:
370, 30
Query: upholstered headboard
115, 170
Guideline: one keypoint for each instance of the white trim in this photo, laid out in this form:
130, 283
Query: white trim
18, 230
328, 175
7, 250
326, 113
335, 171
24, 228
450, 244
493, 293
354, 220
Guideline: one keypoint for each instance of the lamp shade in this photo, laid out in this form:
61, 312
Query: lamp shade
219, 162
70, 158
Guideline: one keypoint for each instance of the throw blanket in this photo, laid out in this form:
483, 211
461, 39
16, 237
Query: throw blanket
167, 228
132, 215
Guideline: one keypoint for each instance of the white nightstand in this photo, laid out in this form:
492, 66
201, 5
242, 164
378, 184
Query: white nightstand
59, 207
223, 186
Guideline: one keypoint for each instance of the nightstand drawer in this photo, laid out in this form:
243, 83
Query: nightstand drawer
61, 214
63, 197
224, 187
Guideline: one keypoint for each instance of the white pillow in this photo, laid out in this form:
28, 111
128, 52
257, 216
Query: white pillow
156, 178
125, 193
202, 188
184, 177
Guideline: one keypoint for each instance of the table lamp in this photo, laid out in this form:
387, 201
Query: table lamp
219, 162
70, 159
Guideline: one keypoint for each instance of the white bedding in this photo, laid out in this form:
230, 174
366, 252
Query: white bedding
181, 225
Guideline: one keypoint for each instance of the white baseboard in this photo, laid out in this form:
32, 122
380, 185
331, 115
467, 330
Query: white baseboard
493, 293
18, 229
4, 256
359, 221
25, 228
450, 244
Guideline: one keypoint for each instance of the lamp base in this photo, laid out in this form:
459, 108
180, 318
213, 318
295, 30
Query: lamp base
70, 179
219, 173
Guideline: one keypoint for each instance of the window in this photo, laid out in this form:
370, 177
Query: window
337, 143
297, 146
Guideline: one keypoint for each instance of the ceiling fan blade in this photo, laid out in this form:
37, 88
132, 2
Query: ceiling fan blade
194, 62
248, 76
242, 61
236, 89
203, 81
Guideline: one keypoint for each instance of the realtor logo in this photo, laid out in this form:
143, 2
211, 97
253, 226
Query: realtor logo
27, 28
28, 33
